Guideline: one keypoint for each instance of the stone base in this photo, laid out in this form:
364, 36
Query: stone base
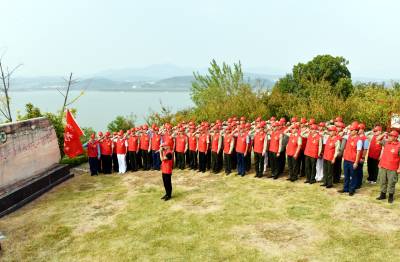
27, 191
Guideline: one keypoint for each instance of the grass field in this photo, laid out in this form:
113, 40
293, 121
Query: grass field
210, 218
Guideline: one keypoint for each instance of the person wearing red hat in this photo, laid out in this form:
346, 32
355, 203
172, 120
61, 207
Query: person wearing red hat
351, 155
203, 145
145, 148
133, 148
374, 152
93, 153
274, 149
167, 164
320, 161
247, 158
228, 145
337, 166
106, 153
364, 150
155, 148
303, 128
259, 148
216, 152
312, 152
192, 141
293, 150
242, 144
114, 138
180, 148
121, 146
389, 165
331, 151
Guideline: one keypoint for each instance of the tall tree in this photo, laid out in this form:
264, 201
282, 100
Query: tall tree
5, 100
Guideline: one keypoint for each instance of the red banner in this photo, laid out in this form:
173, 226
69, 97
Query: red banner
72, 133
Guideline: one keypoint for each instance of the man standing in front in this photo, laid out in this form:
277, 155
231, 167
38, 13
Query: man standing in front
389, 166
166, 169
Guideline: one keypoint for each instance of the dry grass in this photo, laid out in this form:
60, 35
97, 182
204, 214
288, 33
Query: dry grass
211, 217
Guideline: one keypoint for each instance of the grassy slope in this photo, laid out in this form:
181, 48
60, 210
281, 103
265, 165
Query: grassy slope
211, 217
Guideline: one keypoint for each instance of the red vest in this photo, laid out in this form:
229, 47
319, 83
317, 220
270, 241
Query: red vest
169, 140
259, 140
106, 147
192, 142
375, 148
180, 143
155, 142
133, 143
390, 157
166, 165
274, 142
203, 143
144, 142
241, 143
350, 150
312, 146
120, 145
227, 143
214, 143
250, 144
92, 149
292, 145
329, 149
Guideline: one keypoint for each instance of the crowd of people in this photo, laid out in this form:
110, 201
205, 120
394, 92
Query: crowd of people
317, 151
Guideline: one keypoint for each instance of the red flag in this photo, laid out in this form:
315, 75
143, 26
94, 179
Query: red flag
72, 132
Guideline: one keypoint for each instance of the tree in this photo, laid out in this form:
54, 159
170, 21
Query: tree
69, 82
5, 100
122, 123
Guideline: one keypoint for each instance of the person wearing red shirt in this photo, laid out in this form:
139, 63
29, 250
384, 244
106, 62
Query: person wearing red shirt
292, 151
331, 150
260, 147
121, 149
181, 146
203, 144
303, 126
166, 169
274, 149
93, 153
389, 165
192, 141
228, 148
312, 152
216, 152
337, 166
242, 143
155, 148
374, 152
133, 148
115, 166
145, 148
106, 153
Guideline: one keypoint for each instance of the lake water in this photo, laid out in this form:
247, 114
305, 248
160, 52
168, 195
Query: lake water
96, 109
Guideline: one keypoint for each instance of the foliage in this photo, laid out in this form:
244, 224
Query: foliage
74, 161
165, 116
122, 123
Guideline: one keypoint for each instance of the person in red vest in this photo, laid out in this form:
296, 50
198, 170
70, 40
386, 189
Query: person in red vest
274, 144
374, 152
203, 144
216, 145
145, 148
100, 136
312, 152
155, 148
331, 150
242, 143
114, 152
363, 153
181, 147
93, 153
166, 169
121, 149
106, 153
247, 158
260, 148
133, 148
303, 128
389, 165
293, 150
352, 150
228, 148
192, 138
337, 166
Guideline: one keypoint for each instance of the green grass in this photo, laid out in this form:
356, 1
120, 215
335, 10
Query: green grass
211, 217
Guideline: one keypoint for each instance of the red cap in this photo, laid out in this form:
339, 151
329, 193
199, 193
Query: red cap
314, 127
115, 133
354, 126
133, 129
340, 124
258, 119
322, 124
100, 133
332, 128
129, 132
296, 126
272, 118
394, 133
234, 118
361, 126
242, 118
303, 120
145, 127
121, 133
311, 121
92, 136
242, 126
248, 125
377, 128
294, 119
276, 124
108, 134
339, 119
155, 128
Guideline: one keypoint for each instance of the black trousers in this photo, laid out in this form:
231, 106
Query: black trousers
106, 161
311, 169
180, 160
115, 162
93, 165
100, 165
282, 161
328, 173
337, 169
187, 157
247, 160
234, 159
133, 160
228, 163
294, 167
192, 159
202, 162
216, 162
274, 165
146, 159
167, 184
302, 159
208, 156
373, 169
259, 164
139, 159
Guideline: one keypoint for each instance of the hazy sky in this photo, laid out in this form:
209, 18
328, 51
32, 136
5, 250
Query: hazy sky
58, 36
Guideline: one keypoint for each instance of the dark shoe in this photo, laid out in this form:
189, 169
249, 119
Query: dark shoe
381, 197
275, 177
306, 182
288, 179
341, 191
330, 186
164, 197
322, 185
167, 198
256, 176
351, 194
312, 182
391, 198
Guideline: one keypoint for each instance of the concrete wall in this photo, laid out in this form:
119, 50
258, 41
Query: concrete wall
27, 148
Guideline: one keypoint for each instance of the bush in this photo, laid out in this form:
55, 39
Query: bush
122, 123
76, 161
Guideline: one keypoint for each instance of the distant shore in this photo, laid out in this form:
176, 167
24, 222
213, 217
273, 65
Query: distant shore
141, 90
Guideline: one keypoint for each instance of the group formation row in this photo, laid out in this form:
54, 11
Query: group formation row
318, 151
